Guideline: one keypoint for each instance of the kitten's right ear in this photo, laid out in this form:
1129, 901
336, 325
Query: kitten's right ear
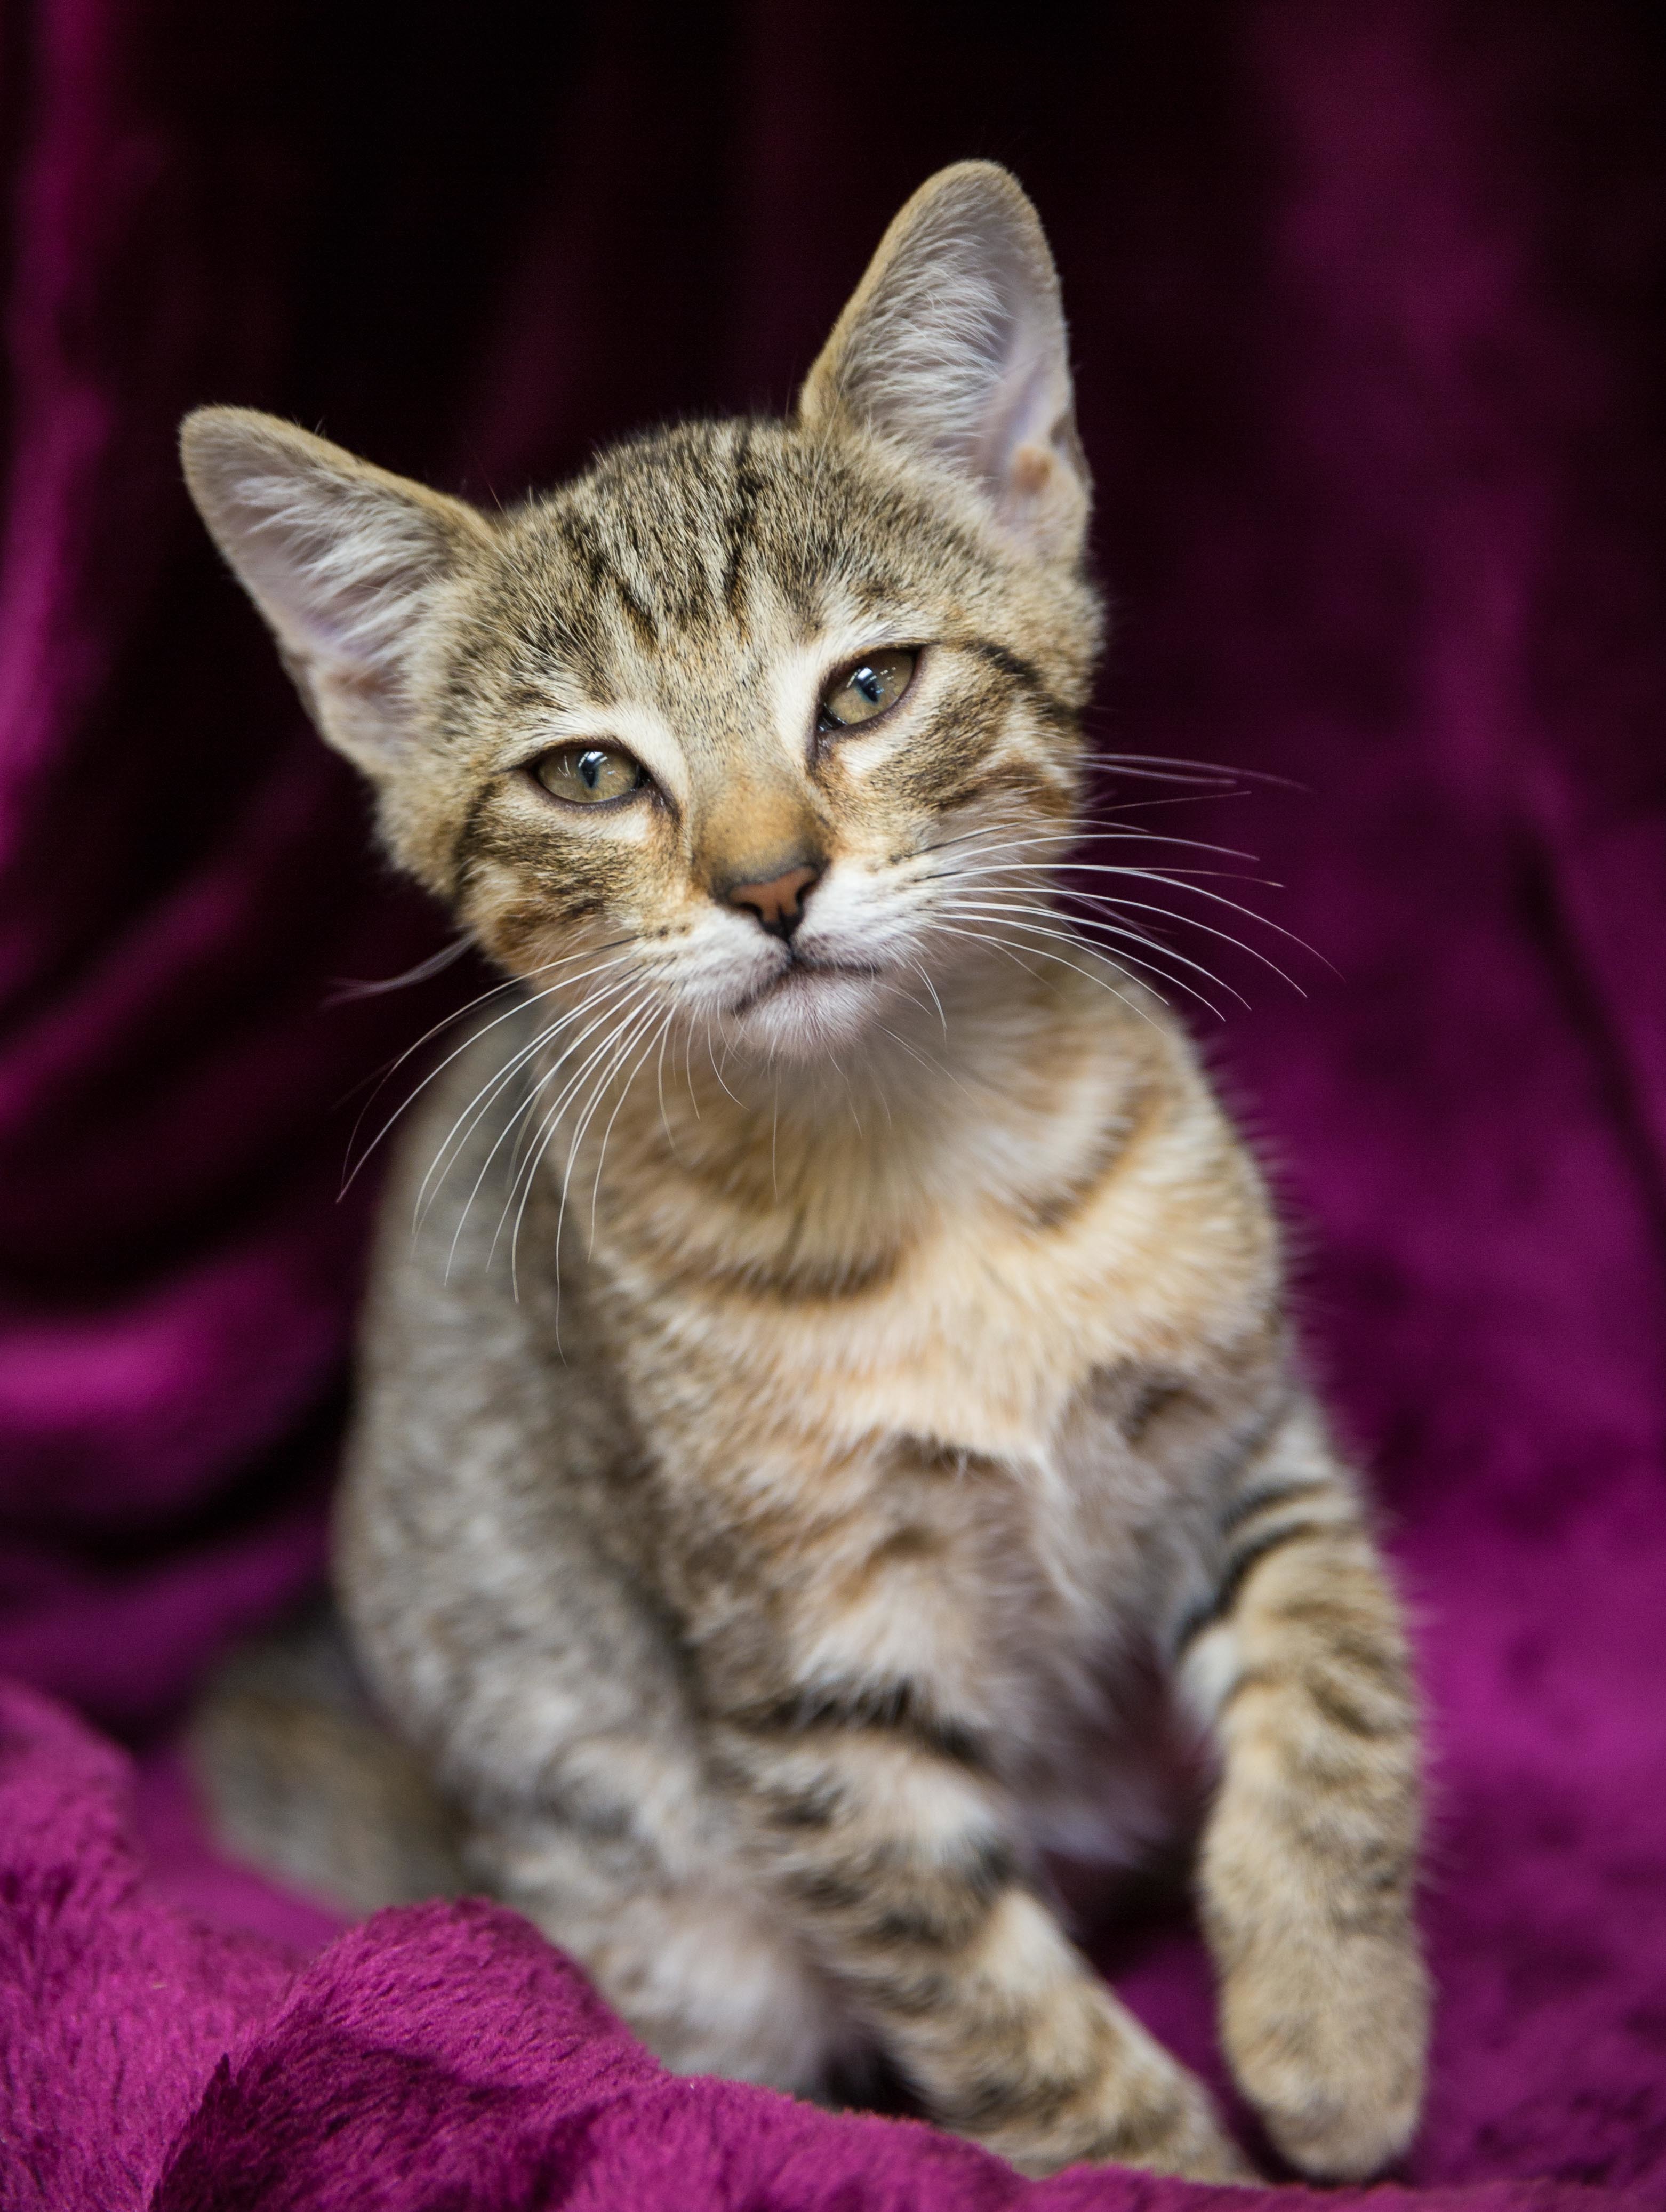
953, 348
344, 560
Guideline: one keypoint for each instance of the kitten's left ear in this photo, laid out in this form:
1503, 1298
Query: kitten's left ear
953, 346
344, 560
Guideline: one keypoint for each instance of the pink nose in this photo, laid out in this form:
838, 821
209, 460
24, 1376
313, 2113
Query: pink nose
778, 904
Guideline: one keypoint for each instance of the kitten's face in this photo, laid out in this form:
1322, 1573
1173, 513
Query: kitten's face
744, 725
750, 712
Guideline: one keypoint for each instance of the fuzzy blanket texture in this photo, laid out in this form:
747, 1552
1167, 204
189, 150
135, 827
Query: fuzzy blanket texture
1366, 306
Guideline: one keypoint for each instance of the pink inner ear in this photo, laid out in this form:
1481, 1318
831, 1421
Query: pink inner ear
358, 680
1025, 454
955, 348
1029, 470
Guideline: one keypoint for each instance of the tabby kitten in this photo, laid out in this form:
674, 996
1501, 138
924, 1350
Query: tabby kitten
828, 1447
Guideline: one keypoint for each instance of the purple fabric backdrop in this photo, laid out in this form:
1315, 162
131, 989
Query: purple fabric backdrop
1366, 306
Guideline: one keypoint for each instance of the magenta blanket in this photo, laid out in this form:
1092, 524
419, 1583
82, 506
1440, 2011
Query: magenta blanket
442, 2057
1366, 306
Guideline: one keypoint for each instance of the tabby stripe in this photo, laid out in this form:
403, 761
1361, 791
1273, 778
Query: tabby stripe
608, 581
739, 519
1344, 1639
1341, 1710
895, 1708
463, 845
1022, 672
1256, 1501
942, 1903
644, 622
1330, 1701
1239, 1571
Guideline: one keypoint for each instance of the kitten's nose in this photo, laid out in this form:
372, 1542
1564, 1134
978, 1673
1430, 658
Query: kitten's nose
778, 904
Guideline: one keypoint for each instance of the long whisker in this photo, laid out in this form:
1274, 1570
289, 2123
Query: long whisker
612, 1020
1216, 898
992, 940
1065, 929
659, 1086
1109, 929
550, 1121
455, 1141
392, 1067
1157, 764
1178, 880
518, 1120
920, 972
624, 1092
510, 983
468, 1121
1028, 840
1191, 921
598, 1092
712, 1056
494, 990
688, 1067
1061, 869
352, 988
927, 1060
493, 1088
1069, 901
1112, 810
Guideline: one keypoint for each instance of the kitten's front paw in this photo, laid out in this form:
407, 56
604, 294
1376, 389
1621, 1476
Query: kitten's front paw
1163, 2120
1330, 2050
1143, 2110
1197, 2149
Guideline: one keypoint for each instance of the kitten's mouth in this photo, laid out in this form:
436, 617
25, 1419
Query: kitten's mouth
800, 975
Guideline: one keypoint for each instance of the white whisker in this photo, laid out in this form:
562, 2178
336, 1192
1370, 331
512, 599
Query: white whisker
624, 1092
927, 1060
1191, 921
547, 1130
1029, 840
516, 1121
459, 1135
993, 941
1066, 936
1160, 764
349, 989
636, 1023
659, 1083
718, 1072
510, 983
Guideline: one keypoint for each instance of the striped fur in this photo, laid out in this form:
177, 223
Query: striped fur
829, 1453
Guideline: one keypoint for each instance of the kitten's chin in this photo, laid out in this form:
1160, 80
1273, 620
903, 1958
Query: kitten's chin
807, 1013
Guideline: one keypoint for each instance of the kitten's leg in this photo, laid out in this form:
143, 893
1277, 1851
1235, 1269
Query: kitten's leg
555, 1716
1298, 1657
898, 1859
477, 1546
677, 1938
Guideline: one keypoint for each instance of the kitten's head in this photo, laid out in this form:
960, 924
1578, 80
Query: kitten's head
740, 725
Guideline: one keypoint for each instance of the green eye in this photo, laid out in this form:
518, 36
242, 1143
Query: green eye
587, 775
866, 688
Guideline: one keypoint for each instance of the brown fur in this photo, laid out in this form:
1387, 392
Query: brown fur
829, 1441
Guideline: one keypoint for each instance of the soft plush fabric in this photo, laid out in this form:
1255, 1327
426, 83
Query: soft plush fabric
1365, 309
443, 2057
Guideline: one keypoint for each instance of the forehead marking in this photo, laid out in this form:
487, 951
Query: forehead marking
1026, 677
608, 582
742, 506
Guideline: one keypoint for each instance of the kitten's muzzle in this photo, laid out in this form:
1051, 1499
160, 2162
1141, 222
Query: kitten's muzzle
778, 903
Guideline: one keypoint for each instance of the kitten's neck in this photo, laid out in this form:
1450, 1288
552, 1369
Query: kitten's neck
1001, 1092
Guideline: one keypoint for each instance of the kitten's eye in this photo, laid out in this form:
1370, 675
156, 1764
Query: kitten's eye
587, 774
866, 688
